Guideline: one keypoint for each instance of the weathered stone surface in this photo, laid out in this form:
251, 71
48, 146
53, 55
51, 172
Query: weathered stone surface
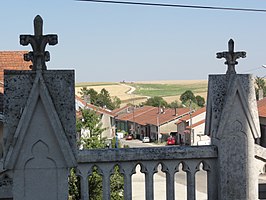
233, 124
151, 153
220, 91
40, 141
18, 85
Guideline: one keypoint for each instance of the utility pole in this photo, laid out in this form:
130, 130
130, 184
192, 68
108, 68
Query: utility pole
190, 123
158, 122
133, 112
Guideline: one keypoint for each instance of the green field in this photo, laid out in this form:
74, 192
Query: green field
169, 90
164, 90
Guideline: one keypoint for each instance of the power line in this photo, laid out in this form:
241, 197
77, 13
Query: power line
176, 5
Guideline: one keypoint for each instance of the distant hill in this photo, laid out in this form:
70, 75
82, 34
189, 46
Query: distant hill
137, 92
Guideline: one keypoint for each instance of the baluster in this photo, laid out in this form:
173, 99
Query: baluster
211, 178
149, 185
106, 186
191, 195
168, 167
191, 167
127, 169
84, 187
106, 169
82, 172
170, 189
127, 186
149, 169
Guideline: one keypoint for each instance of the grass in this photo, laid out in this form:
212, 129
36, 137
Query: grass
163, 90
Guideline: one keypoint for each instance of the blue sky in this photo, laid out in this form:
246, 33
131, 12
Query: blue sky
104, 42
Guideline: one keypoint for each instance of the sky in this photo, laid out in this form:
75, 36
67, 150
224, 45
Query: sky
112, 43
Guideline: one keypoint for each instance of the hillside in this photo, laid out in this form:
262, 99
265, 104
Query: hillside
137, 92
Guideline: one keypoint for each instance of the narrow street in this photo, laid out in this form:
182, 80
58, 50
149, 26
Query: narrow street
137, 143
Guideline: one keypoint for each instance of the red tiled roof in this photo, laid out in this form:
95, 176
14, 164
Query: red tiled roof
197, 112
197, 124
13, 60
262, 107
119, 110
149, 115
133, 115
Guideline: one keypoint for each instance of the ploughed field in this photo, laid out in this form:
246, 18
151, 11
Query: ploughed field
137, 92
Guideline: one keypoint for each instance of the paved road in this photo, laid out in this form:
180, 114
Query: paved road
160, 180
138, 143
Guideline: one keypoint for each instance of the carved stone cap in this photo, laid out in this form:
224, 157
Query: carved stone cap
231, 57
38, 41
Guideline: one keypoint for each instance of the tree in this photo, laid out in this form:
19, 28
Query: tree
187, 95
116, 102
102, 99
73, 190
91, 120
260, 82
260, 86
88, 95
156, 102
200, 101
188, 98
175, 104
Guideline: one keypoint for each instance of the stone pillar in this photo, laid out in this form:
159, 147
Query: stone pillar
39, 133
39, 136
233, 124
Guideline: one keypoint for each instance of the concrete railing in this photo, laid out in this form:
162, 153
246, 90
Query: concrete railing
149, 158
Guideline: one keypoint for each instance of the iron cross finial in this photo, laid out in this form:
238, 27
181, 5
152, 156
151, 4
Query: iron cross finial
38, 42
231, 57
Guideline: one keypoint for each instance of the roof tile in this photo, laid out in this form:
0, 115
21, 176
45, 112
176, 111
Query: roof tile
150, 115
262, 107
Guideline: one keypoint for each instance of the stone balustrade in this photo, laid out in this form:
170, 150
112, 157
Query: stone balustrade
169, 158
39, 139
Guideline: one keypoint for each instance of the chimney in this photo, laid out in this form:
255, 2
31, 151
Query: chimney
175, 111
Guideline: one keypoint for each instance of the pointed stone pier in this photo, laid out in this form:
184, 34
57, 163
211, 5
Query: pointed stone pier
39, 133
233, 125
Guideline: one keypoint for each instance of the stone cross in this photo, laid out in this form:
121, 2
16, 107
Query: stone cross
231, 57
38, 42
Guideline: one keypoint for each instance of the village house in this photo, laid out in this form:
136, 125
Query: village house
262, 118
196, 123
107, 117
149, 121
41, 142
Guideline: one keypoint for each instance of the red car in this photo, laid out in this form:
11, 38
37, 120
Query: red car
129, 137
171, 141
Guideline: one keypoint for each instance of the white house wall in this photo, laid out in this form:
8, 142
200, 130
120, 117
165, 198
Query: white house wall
168, 127
199, 130
107, 123
198, 118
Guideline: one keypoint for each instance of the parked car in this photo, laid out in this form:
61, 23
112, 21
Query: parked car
146, 139
129, 137
171, 141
